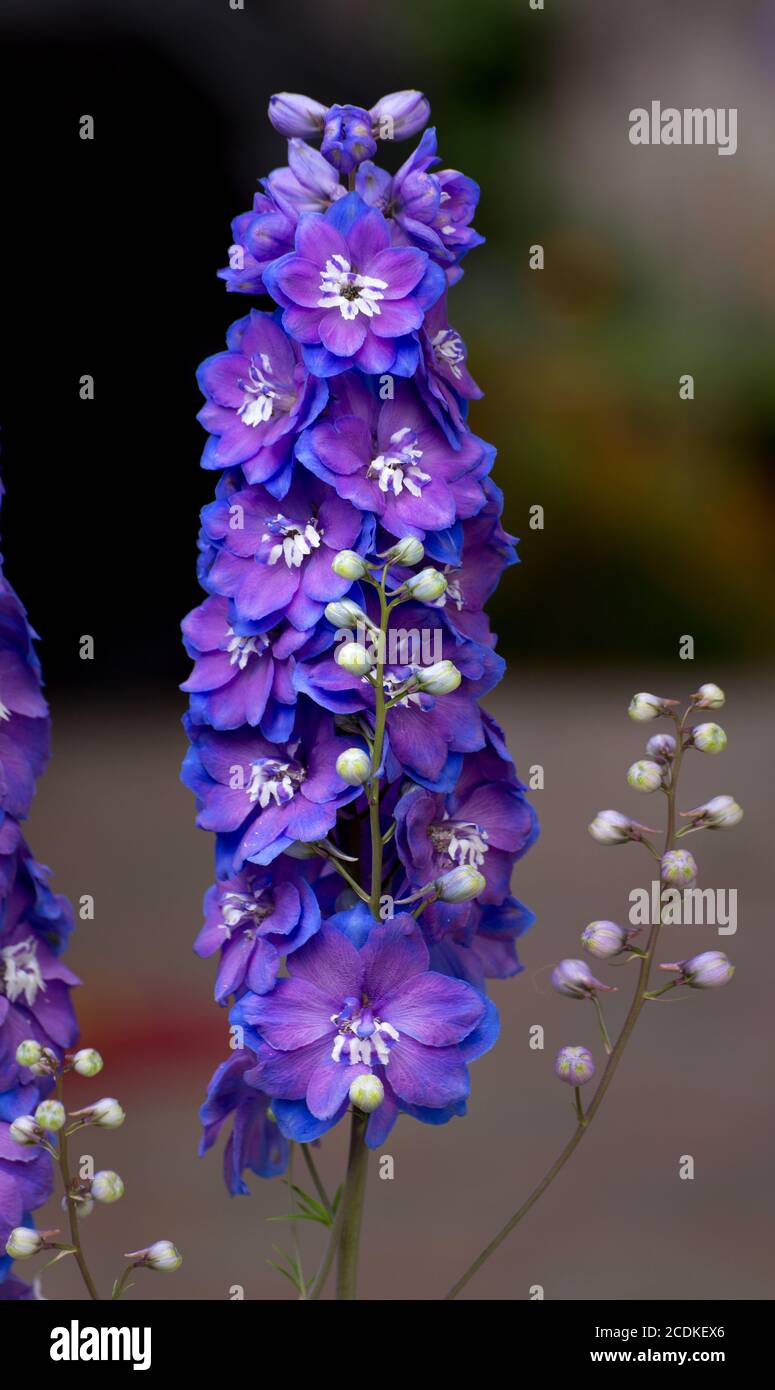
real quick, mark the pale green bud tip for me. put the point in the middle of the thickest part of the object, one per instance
(709, 738)
(348, 565)
(367, 1093)
(678, 868)
(23, 1242)
(460, 884)
(50, 1115)
(708, 696)
(644, 706)
(344, 613)
(353, 657)
(87, 1062)
(574, 1065)
(107, 1186)
(28, 1052)
(720, 813)
(439, 679)
(161, 1255)
(645, 776)
(354, 767)
(25, 1130)
(427, 586)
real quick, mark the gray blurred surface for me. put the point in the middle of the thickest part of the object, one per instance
(619, 1223)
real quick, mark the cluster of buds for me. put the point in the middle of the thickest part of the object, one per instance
(605, 940)
(49, 1120)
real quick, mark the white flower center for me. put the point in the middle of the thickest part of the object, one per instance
(5, 713)
(241, 649)
(361, 1034)
(272, 780)
(464, 841)
(259, 394)
(449, 350)
(237, 908)
(21, 972)
(293, 542)
(401, 468)
(344, 289)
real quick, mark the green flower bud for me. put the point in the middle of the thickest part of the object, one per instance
(354, 767)
(349, 565)
(367, 1093)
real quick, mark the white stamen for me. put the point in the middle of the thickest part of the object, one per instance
(344, 289)
(21, 972)
(296, 544)
(272, 780)
(260, 394)
(401, 468)
(449, 349)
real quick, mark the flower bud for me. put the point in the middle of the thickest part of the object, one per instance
(105, 1113)
(85, 1205)
(25, 1130)
(427, 586)
(678, 868)
(161, 1255)
(661, 747)
(50, 1115)
(574, 1065)
(408, 551)
(292, 114)
(354, 767)
(354, 657)
(709, 738)
(28, 1052)
(439, 679)
(403, 113)
(708, 970)
(708, 696)
(605, 939)
(23, 1242)
(720, 813)
(460, 885)
(644, 706)
(613, 828)
(645, 776)
(87, 1061)
(107, 1186)
(344, 613)
(349, 565)
(347, 137)
(367, 1093)
(575, 980)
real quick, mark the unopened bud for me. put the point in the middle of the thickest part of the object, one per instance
(709, 738)
(645, 776)
(23, 1242)
(708, 970)
(644, 706)
(354, 657)
(439, 679)
(708, 696)
(107, 1186)
(720, 813)
(404, 113)
(575, 980)
(295, 115)
(460, 885)
(574, 1065)
(354, 767)
(427, 586)
(613, 828)
(105, 1113)
(84, 1203)
(28, 1052)
(661, 747)
(408, 551)
(161, 1255)
(87, 1062)
(342, 612)
(349, 565)
(50, 1115)
(367, 1093)
(605, 939)
(25, 1130)
(678, 868)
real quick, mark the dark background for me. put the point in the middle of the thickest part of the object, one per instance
(659, 520)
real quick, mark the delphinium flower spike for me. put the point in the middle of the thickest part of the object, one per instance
(605, 940)
(367, 815)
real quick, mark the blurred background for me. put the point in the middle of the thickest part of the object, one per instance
(658, 523)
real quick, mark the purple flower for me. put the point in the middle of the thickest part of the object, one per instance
(261, 797)
(389, 458)
(25, 1182)
(444, 380)
(259, 394)
(347, 137)
(24, 732)
(478, 945)
(34, 997)
(343, 1013)
(259, 237)
(254, 919)
(292, 114)
(400, 115)
(307, 183)
(350, 297)
(274, 558)
(255, 1142)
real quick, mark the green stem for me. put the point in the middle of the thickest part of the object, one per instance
(316, 1179)
(601, 1021)
(612, 1064)
(579, 1107)
(72, 1206)
(352, 1209)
